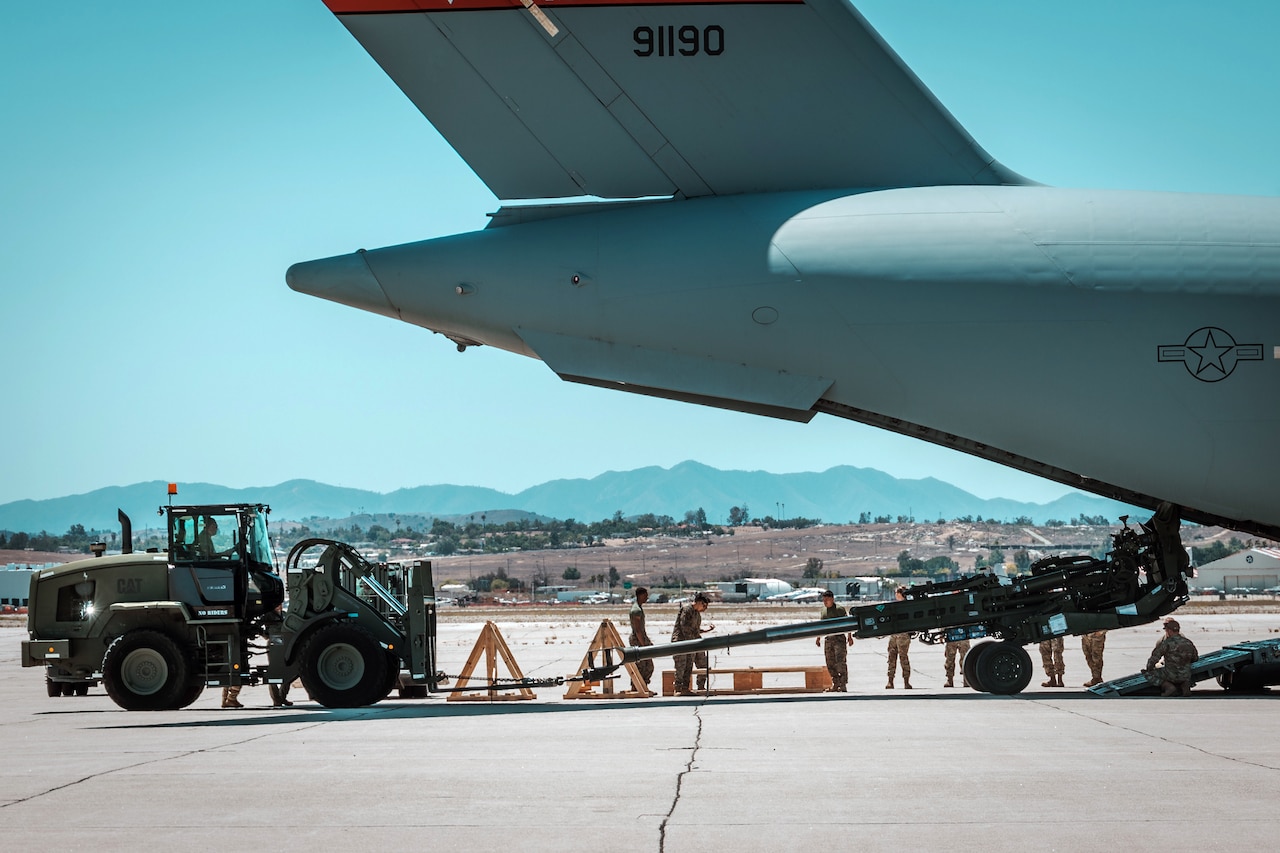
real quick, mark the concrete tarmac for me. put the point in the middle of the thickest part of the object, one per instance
(930, 768)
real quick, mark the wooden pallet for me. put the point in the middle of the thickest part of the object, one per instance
(607, 637)
(750, 680)
(492, 646)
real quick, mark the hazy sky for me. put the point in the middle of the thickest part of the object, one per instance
(165, 162)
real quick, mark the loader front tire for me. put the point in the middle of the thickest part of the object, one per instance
(343, 666)
(146, 671)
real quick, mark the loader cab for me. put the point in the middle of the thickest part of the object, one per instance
(220, 561)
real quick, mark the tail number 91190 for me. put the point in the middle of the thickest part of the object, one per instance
(685, 41)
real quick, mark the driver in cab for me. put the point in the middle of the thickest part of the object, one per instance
(205, 547)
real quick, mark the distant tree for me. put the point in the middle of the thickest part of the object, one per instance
(812, 568)
(935, 566)
(996, 558)
(908, 565)
(864, 518)
(540, 578)
(614, 577)
(1022, 559)
(1215, 551)
(571, 574)
(951, 542)
(18, 541)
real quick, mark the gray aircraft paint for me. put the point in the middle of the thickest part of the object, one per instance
(1122, 342)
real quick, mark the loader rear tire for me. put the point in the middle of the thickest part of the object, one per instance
(146, 671)
(343, 666)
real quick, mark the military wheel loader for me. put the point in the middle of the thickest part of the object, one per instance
(156, 628)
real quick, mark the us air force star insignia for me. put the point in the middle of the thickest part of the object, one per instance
(1210, 354)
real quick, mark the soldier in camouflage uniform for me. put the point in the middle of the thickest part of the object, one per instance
(689, 627)
(640, 636)
(835, 646)
(958, 648)
(900, 648)
(1092, 646)
(1178, 653)
(1051, 657)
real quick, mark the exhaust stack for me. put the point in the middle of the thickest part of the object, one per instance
(126, 532)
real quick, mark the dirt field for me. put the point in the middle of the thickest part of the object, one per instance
(845, 551)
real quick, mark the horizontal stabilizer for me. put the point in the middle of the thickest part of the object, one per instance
(619, 99)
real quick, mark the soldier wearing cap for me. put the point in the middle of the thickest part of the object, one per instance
(640, 636)
(689, 627)
(900, 649)
(835, 646)
(1178, 653)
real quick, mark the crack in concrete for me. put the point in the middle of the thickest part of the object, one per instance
(688, 768)
(1171, 741)
(159, 760)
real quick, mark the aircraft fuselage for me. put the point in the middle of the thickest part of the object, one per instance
(972, 316)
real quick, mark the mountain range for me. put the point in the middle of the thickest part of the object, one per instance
(837, 495)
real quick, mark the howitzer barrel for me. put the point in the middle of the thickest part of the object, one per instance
(798, 631)
(611, 659)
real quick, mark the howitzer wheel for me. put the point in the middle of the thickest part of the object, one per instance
(147, 671)
(1004, 668)
(343, 666)
(970, 668)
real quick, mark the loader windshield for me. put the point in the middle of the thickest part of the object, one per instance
(221, 534)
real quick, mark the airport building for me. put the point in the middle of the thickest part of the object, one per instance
(15, 584)
(1253, 571)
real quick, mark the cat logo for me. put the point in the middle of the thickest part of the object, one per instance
(128, 585)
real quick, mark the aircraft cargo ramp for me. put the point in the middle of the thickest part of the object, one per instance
(1241, 667)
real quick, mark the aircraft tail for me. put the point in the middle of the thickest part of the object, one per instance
(635, 98)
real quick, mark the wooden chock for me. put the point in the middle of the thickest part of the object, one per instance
(607, 637)
(492, 646)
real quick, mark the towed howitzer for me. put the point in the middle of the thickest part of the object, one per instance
(1142, 578)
